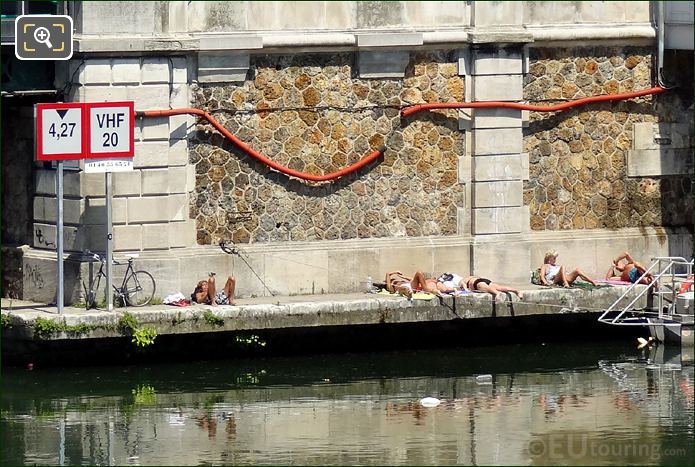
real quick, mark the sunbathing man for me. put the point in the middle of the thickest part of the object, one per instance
(481, 284)
(396, 282)
(631, 271)
(205, 292)
(552, 273)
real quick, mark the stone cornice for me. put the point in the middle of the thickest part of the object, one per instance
(306, 40)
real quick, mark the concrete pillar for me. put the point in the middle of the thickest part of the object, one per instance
(494, 68)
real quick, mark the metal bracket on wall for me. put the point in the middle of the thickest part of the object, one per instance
(234, 217)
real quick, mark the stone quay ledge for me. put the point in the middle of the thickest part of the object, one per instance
(25, 323)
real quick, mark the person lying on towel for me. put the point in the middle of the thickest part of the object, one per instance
(397, 282)
(629, 271)
(476, 284)
(481, 284)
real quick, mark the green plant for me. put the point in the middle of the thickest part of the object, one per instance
(45, 328)
(127, 324)
(212, 319)
(144, 394)
(156, 301)
(5, 320)
(144, 336)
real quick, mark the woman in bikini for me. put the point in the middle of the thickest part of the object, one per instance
(396, 282)
(552, 273)
(631, 271)
(481, 284)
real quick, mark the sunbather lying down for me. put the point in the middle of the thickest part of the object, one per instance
(396, 282)
(481, 284)
(630, 271)
(452, 282)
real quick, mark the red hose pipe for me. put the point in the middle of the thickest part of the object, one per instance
(535, 108)
(255, 154)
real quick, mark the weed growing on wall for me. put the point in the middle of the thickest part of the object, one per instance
(45, 328)
(127, 324)
(212, 319)
(141, 336)
(5, 320)
(144, 336)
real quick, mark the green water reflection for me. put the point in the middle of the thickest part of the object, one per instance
(574, 404)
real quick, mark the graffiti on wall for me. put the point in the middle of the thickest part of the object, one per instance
(41, 240)
(32, 273)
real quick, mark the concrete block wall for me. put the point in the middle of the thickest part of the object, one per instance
(343, 266)
(150, 205)
(593, 12)
(205, 17)
(497, 218)
(161, 19)
(497, 166)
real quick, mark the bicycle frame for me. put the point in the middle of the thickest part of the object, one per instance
(118, 290)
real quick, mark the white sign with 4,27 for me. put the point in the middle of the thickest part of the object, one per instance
(61, 131)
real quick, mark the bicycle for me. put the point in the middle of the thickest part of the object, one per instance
(137, 288)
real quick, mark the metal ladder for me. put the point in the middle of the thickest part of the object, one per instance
(667, 267)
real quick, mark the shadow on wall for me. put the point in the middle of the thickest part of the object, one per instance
(677, 192)
(16, 162)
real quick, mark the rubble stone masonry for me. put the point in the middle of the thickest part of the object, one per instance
(578, 158)
(312, 113)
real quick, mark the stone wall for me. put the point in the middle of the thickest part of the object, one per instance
(578, 158)
(311, 113)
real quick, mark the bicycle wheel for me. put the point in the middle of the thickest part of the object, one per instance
(139, 288)
(99, 296)
(88, 297)
(91, 295)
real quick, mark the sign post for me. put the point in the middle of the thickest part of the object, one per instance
(59, 137)
(103, 134)
(111, 128)
(109, 242)
(60, 295)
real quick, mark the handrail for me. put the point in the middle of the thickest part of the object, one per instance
(628, 290)
(656, 262)
(676, 260)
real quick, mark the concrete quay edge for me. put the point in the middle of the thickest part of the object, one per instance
(307, 311)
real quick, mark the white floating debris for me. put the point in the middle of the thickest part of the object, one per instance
(430, 402)
(483, 379)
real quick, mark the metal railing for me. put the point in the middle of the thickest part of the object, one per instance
(667, 270)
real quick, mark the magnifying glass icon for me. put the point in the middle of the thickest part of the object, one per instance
(43, 36)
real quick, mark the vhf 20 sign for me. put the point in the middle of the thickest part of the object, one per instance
(85, 131)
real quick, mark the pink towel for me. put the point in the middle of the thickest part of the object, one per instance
(615, 282)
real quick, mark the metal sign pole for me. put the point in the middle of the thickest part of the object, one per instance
(109, 243)
(60, 295)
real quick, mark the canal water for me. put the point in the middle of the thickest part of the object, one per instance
(532, 404)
